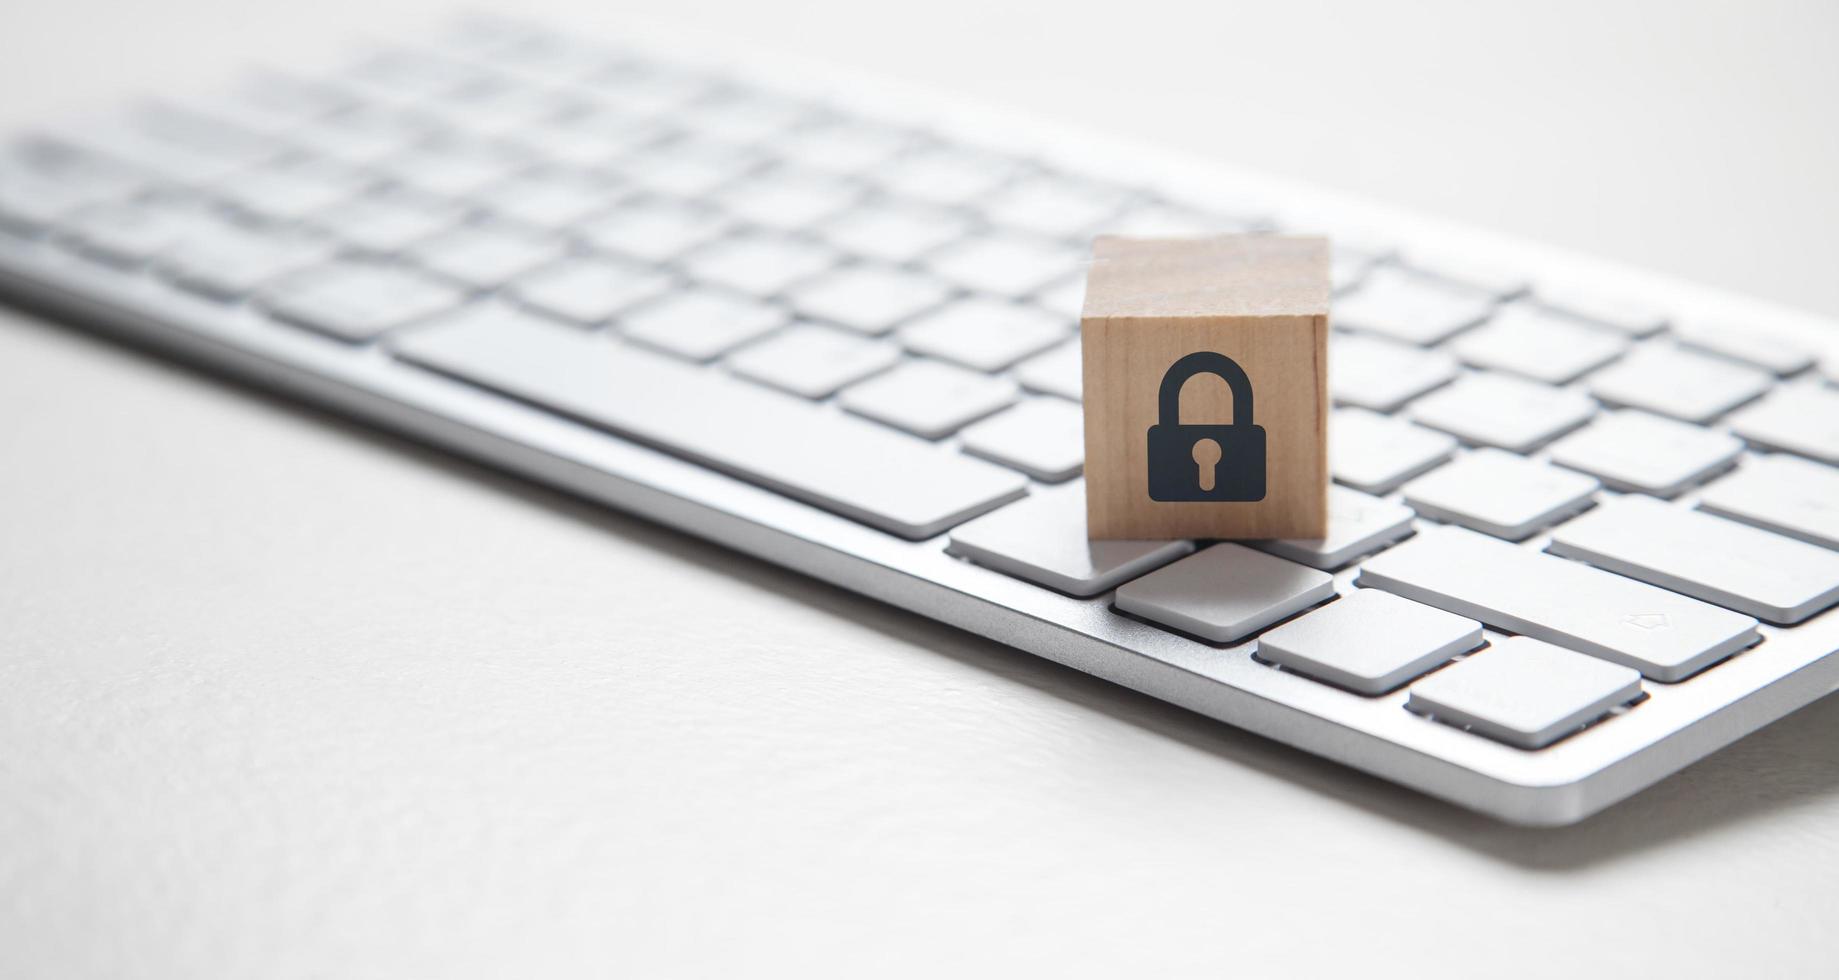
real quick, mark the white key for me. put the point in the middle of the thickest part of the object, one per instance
(760, 265)
(945, 176)
(1770, 352)
(356, 301)
(1348, 268)
(1382, 375)
(291, 193)
(1369, 642)
(895, 233)
(654, 231)
(929, 398)
(598, 138)
(1666, 636)
(136, 232)
(1043, 539)
(813, 361)
(1525, 693)
(914, 489)
(1357, 525)
(1225, 593)
(1042, 437)
(1054, 207)
(1005, 265)
(589, 289)
(1498, 410)
(1782, 494)
(42, 180)
(870, 299)
(1637, 452)
(1056, 372)
(653, 92)
(365, 135)
(1684, 384)
(843, 147)
(1377, 454)
(1466, 272)
(1410, 307)
(231, 261)
(1525, 340)
(984, 334)
(387, 223)
(552, 198)
(1068, 299)
(452, 167)
(689, 169)
(1755, 572)
(486, 255)
(1620, 315)
(699, 324)
(1504, 495)
(745, 118)
(786, 203)
(1801, 419)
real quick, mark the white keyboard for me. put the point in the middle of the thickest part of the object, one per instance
(1585, 528)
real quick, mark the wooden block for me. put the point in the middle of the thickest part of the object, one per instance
(1207, 309)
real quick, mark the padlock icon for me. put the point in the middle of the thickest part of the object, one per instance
(1205, 462)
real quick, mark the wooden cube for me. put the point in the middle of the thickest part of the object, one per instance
(1206, 387)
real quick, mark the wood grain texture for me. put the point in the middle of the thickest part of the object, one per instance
(1260, 300)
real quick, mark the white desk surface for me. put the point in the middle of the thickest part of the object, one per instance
(281, 697)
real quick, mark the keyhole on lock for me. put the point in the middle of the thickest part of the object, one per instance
(1206, 457)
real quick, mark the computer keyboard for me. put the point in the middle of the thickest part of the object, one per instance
(1585, 527)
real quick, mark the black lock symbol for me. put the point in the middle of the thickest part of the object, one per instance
(1205, 462)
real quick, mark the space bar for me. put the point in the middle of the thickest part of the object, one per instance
(855, 468)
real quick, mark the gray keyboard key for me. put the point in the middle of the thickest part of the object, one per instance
(929, 398)
(1736, 566)
(1357, 525)
(43, 180)
(1528, 341)
(1068, 299)
(759, 265)
(813, 361)
(945, 176)
(1525, 693)
(1413, 308)
(553, 197)
(293, 192)
(744, 117)
(1621, 315)
(1782, 494)
(1770, 352)
(1680, 383)
(590, 289)
(868, 298)
(364, 135)
(654, 231)
(454, 167)
(1666, 636)
(1056, 372)
(1637, 452)
(233, 261)
(1053, 206)
(1376, 454)
(1042, 437)
(985, 334)
(895, 232)
(485, 256)
(1800, 419)
(785, 202)
(1465, 272)
(1043, 539)
(1005, 265)
(136, 232)
(1369, 642)
(914, 489)
(1225, 593)
(388, 223)
(1382, 375)
(688, 169)
(1497, 410)
(699, 324)
(843, 147)
(596, 138)
(356, 301)
(1501, 494)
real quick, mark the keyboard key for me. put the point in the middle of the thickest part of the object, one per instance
(1466, 273)
(232, 261)
(1800, 419)
(136, 232)
(868, 299)
(486, 255)
(1500, 494)
(1382, 375)
(1781, 494)
(1056, 372)
(1498, 410)
(1225, 593)
(1376, 454)
(813, 361)
(590, 289)
(294, 192)
(1770, 352)
(1042, 437)
(843, 147)
(452, 166)
(913, 489)
(1369, 642)
(759, 265)
(1357, 525)
(1636, 452)
(1733, 565)
(1068, 299)
(744, 118)
(357, 301)
(1525, 693)
(1620, 315)
(699, 324)
(1527, 341)
(1043, 539)
(387, 223)
(654, 231)
(186, 147)
(1005, 265)
(553, 197)
(594, 139)
(42, 180)
(1348, 268)
(365, 135)
(929, 398)
(1409, 307)
(1054, 207)
(786, 203)
(945, 176)
(984, 334)
(688, 169)
(1683, 384)
(895, 233)
(1666, 636)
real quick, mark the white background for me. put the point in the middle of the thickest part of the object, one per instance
(280, 697)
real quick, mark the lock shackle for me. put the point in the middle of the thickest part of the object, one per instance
(1168, 398)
